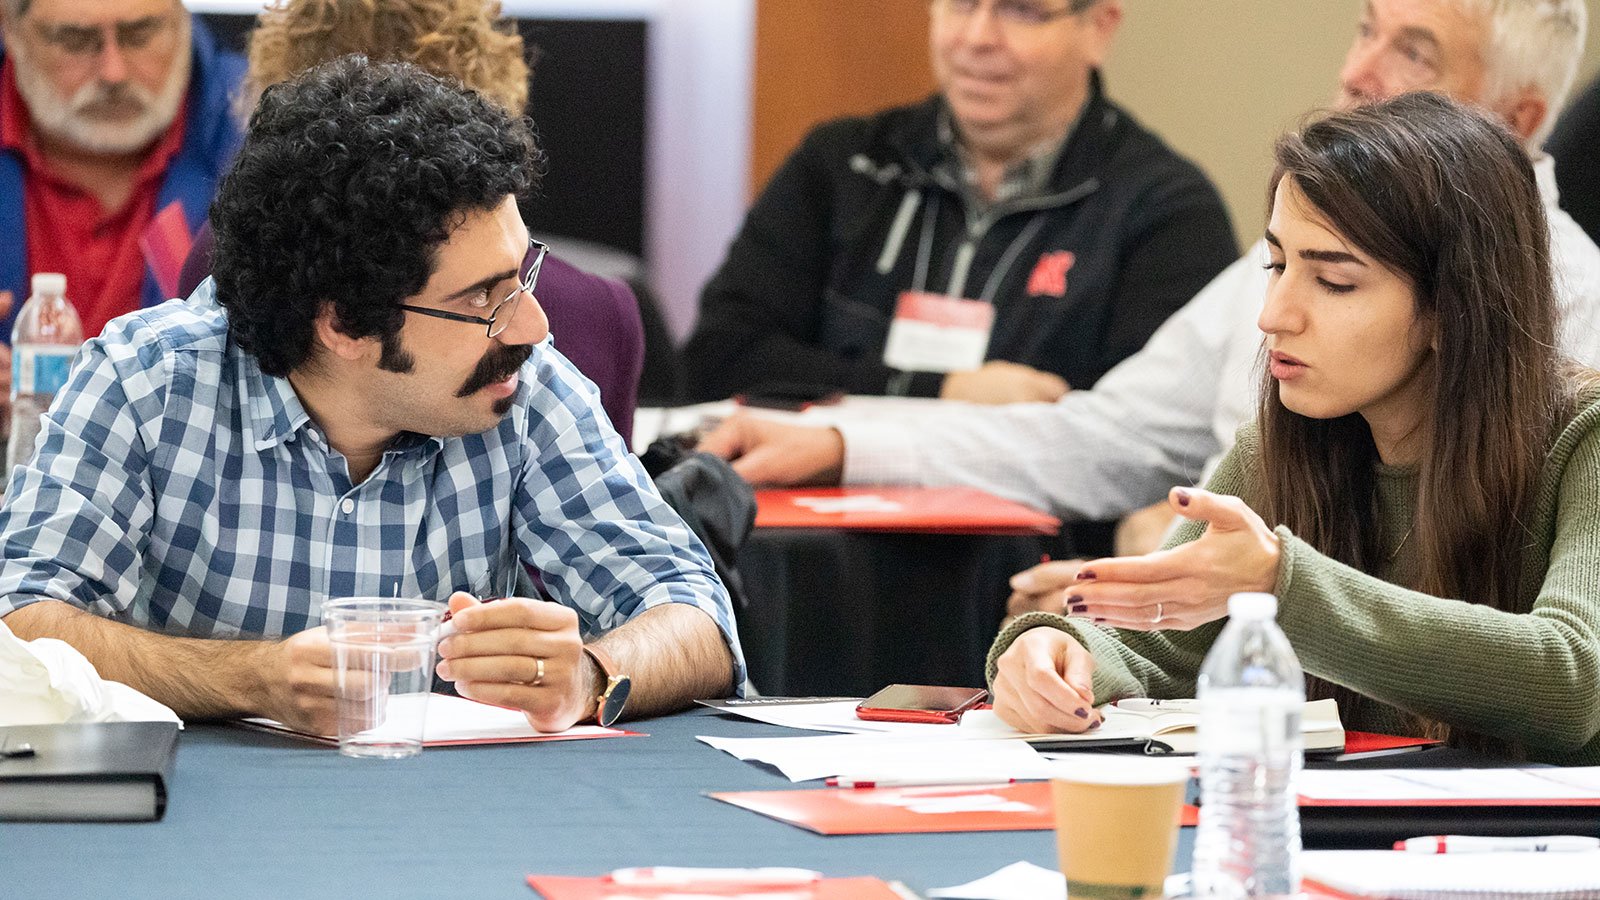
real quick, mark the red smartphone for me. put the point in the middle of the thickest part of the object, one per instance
(924, 703)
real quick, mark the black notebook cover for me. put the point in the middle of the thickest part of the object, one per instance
(108, 771)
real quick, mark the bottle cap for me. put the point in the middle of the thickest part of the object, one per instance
(50, 283)
(1252, 606)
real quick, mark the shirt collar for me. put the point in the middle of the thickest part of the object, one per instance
(276, 413)
(1544, 174)
(1027, 177)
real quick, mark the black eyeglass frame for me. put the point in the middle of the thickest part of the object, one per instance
(526, 287)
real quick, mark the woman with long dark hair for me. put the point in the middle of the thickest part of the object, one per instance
(1422, 487)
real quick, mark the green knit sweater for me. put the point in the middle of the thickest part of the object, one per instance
(1532, 678)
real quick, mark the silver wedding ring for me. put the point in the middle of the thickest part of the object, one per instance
(1157, 620)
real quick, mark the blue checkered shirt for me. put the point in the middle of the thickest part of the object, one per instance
(177, 487)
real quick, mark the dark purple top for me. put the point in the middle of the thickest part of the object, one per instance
(595, 321)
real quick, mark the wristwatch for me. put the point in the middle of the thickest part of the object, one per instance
(614, 695)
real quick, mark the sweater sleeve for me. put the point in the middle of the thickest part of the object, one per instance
(1161, 664)
(1533, 677)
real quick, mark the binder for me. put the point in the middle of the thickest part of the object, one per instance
(89, 772)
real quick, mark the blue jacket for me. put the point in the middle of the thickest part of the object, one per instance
(212, 137)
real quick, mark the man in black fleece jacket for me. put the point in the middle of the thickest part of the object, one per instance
(1018, 185)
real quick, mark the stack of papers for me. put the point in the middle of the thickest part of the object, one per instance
(868, 757)
(1174, 723)
(1547, 786)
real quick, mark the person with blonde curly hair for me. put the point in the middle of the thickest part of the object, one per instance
(596, 320)
(462, 39)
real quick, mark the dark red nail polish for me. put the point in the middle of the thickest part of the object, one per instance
(1081, 713)
(1080, 608)
(1096, 723)
(1086, 575)
(1099, 621)
(1183, 497)
(1074, 600)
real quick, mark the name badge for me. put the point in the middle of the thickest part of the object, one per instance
(937, 333)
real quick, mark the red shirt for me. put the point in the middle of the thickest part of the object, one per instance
(68, 231)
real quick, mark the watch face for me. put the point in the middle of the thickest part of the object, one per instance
(615, 700)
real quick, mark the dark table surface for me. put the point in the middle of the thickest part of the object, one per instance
(258, 815)
(255, 815)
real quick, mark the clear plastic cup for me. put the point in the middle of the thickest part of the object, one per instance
(383, 656)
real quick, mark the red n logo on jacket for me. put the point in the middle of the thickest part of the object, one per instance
(1050, 274)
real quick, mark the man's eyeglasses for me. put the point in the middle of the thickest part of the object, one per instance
(500, 314)
(87, 41)
(1024, 13)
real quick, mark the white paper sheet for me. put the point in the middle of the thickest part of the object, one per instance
(1416, 876)
(1451, 784)
(869, 757)
(1018, 881)
(447, 719)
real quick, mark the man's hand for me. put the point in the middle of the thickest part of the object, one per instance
(1188, 585)
(1043, 587)
(300, 683)
(998, 381)
(1143, 530)
(521, 653)
(767, 452)
(1044, 683)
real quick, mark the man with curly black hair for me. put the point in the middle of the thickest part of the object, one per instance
(363, 401)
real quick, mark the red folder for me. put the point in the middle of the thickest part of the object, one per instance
(555, 887)
(917, 510)
(1371, 742)
(911, 810)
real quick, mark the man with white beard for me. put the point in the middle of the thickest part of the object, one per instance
(115, 118)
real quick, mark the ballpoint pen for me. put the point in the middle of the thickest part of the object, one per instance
(1148, 704)
(1456, 843)
(447, 627)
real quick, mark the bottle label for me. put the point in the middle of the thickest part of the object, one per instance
(40, 368)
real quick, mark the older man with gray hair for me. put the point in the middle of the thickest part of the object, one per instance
(114, 119)
(1165, 414)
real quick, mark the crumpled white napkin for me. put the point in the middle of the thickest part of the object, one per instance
(48, 682)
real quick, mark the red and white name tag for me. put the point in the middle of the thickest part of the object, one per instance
(937, 333)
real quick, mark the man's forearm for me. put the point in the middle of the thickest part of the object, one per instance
(198, 678)
(674, 654)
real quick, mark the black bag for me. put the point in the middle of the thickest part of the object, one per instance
(718, 505)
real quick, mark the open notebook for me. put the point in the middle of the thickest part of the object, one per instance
(1172, 726)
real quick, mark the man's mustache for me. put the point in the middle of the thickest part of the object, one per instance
(497, 365)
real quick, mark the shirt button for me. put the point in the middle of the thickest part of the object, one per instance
(348, 506)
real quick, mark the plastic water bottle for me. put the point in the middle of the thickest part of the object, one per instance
(43, 342)
(1251, 694)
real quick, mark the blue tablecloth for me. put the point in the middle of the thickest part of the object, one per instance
(254, 815)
